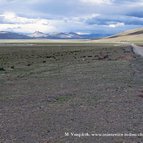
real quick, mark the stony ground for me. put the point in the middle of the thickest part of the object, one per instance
(47, 90)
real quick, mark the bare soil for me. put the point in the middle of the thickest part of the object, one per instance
(47, 90)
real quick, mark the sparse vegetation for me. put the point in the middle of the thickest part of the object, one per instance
(2, 69)
(77, 87)
(44, 61)
(12, 67)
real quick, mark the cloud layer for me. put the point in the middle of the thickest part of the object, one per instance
(87, 16)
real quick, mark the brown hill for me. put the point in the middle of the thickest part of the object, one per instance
(134, 35)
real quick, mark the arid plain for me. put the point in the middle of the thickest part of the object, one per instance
(52, 88)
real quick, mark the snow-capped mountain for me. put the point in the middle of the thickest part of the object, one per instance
(41, 35)
(75, 35)
(38, 34)
(64, 35)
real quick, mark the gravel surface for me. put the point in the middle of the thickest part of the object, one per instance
(94, 90)
(138, 49)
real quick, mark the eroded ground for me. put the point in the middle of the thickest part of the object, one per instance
(47, 90)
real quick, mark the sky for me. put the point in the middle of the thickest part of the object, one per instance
(81, 16)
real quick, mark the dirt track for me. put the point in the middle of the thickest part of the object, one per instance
(137, 49)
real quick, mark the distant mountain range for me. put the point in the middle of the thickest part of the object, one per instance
(40, 35)
(129, 35)
(12, 35)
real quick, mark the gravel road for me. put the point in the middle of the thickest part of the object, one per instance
(137, 49)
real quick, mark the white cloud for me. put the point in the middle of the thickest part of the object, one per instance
(22, 24)
(11, 17)
(119, 24)
(27, 28)
(13, 22)
(97, 1)
(9, 21)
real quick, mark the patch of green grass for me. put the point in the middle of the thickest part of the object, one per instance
(63, 98)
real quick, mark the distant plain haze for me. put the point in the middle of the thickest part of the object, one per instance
(81, 16)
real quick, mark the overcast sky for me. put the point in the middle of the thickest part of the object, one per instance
(83, 16)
